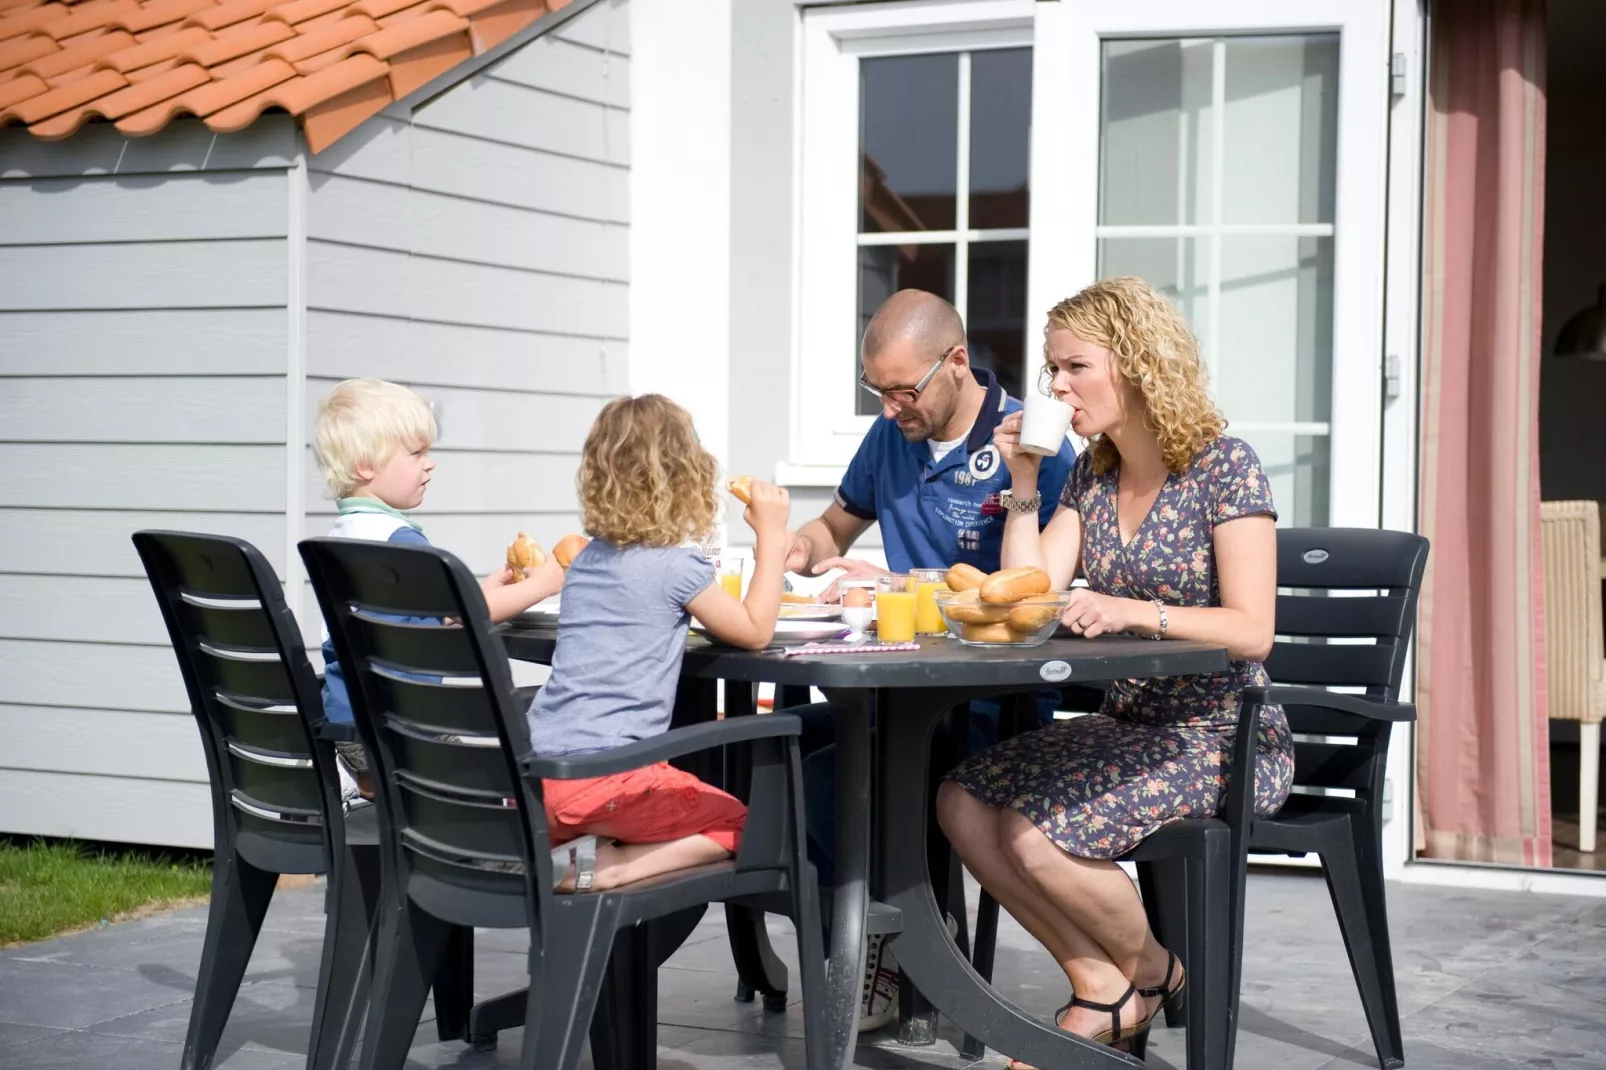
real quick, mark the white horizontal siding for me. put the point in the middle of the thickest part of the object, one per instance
(344, 278)
(238, 479)
(119, 809)
(605, 27)
(143, 343)
(559, 66)
(93, 676)
(382, 215)
(345, 345)
(87, 609)
(448, 162)
(159, 342)
(120, 743)
(96, 542)
(186, 274)
(195, 409)
(123, 208)
(488, 108)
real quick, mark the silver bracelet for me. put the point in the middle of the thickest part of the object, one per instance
(1163, 622)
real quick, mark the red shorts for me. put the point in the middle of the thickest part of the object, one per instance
(653, 804)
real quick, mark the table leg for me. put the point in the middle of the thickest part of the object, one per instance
(903, 727)
(758, 968)
(851, 902)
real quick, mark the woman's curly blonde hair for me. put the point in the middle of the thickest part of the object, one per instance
(1157, 353)
(644, 478)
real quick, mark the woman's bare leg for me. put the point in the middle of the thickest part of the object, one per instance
(626, 863)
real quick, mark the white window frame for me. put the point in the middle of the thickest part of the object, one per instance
(826, 429)
(1067, 76)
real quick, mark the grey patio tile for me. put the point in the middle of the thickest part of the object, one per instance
(70, 997)
(12, 1035)
(77, 1050)
(265, 1016)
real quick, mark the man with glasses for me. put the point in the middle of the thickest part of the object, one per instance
(927, 472)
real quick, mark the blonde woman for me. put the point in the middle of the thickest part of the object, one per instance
(1173, 525)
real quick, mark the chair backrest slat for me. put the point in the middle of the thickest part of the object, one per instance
(254, 695)
(1344, 619)
(432, 698)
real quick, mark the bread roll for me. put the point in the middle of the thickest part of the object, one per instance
(964, 577)
(967, 608)
(566, 549)
(524, 553)
(1012, 584)
(1030, 614)
(741, 488)
(989, 633)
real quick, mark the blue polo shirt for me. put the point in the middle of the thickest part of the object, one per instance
(934, 514)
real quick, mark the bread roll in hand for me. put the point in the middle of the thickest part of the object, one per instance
(741, 488)
(566, 549)
(524, 553)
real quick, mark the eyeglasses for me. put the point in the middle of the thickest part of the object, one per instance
(907, 395)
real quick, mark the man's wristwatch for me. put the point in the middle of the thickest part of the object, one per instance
(1020, 505)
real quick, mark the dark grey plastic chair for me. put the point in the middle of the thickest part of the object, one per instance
(275, 793)
(1354, 584)
(463, 828)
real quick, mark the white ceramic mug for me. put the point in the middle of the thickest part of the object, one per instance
(1043, 427)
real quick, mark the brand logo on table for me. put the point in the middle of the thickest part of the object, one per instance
(1055, 671)
(984, 463)
(1315, 557)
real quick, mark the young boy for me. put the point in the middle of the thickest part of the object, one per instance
(372, 445)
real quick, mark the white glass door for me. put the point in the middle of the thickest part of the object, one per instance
(1233, 154)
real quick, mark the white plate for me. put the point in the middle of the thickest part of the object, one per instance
(547, 610)
(791, 631)
(809, 611)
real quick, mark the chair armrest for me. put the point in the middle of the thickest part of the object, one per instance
(1359, 705)
(671, 744)
(338, 732)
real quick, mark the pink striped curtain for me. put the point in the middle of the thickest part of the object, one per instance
(1482, 761)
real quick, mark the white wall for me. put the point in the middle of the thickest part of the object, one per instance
(680, 209)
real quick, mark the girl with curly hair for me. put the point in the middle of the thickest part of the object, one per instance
(1172, 523)
(647, 496)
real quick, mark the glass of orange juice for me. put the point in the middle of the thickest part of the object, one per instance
(731, 580)
(895, 616)
(925, 583)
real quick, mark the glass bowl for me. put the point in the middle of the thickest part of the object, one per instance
(1029, 622)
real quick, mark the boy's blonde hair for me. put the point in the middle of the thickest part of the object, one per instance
(362, 422)
(644, 478)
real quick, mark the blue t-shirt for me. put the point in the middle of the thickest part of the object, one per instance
(379, 524)
(621, 635)
(933, 513)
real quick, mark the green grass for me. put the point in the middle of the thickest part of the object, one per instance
(52, 887)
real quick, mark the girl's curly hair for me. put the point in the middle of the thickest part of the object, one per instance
(1157, 353)
(644, 478)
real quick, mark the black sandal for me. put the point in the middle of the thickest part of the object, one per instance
(1137, 1033)
(1167, 994)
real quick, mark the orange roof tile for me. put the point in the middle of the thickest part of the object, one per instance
(332, 64)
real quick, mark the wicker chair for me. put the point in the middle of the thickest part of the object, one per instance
(1575, 652)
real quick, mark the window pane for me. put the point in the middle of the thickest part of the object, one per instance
(1280, 129)
(1155, 155)
(1297, 467)
(1000, 126)
(885, 269)
(1177, 266)
(1274, 357)
(996, 324)
(909, 140)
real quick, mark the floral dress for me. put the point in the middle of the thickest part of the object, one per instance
(1155, 752)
